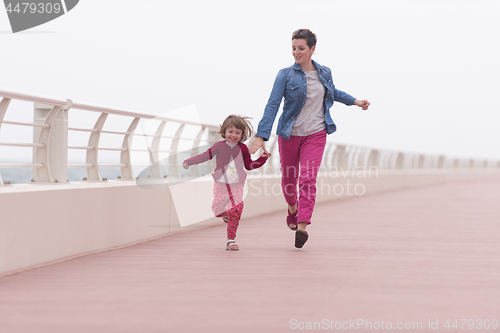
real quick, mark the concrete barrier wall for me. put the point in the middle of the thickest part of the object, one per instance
(46, 223)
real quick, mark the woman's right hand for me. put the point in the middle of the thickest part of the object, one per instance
(257, 143)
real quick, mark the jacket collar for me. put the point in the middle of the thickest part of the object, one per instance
(318, 66)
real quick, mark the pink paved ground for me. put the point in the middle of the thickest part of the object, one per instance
(418, 255)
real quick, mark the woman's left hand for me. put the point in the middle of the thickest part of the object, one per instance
(362, 103)
(256, 144)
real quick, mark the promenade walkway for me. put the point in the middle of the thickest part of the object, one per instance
(407, 259)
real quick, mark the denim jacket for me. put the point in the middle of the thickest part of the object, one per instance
(291, 83)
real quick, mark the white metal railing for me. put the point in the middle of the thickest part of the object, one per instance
(50, 145)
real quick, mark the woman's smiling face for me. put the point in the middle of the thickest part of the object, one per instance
(301, 52)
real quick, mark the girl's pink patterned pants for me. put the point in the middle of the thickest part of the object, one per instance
(228, 201)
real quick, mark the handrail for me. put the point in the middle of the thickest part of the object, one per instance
(30, 97)
(53, 135)
(118, 112)
(20, 144)
(20, 165)
(26, 124)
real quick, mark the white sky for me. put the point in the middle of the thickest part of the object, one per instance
(430, 68)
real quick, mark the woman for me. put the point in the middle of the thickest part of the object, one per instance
(309, 94)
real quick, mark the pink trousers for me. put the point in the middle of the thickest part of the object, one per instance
(300, 158)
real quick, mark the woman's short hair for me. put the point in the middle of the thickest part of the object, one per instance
(306, 34)
(241, 123)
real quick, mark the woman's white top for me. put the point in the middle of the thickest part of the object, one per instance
(311, 118)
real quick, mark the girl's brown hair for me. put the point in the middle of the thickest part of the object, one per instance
(240, 123)
(306, 34)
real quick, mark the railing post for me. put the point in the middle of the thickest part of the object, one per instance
(93, 154)
(400, 160)
(373, 158)
(384, 159)
(421, 164)
(355, 156)
(441, 161)
(325, 161)
(174, 151)
(126, 171)
(154, 153)
(340, 157)
(54, 155)
(195, 170)
(363, 158)
(4, 104)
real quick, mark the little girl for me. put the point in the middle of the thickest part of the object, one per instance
(232, 158)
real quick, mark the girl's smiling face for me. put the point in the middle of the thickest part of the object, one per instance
(233, 134)
(301, 52)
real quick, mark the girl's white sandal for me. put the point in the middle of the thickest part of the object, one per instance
(231, 244)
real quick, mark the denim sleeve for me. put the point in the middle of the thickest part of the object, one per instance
(272, 107)
(339, 95)
(342, 97)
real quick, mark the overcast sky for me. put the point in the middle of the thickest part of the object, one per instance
(430, 68)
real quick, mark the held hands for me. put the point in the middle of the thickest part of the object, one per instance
(362, 103)
(265, 154)
(257, 143)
